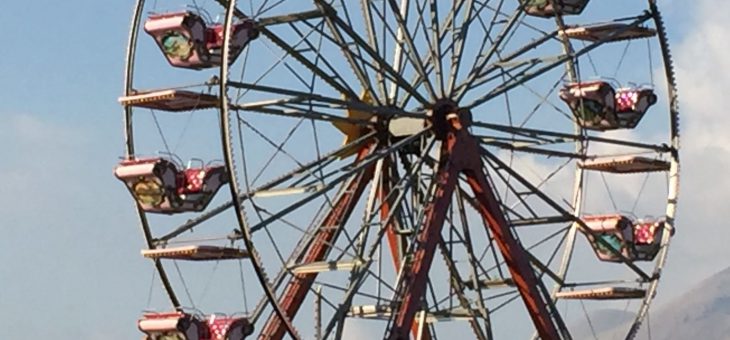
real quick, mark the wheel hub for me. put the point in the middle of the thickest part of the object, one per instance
(445, 115)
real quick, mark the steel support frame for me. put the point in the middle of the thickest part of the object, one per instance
(460, 154)
(396, 242)
(299, 286)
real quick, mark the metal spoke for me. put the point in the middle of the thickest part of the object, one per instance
(411, 52)
(579, 222)
(288, 18)
(551, 64)
(533, 150)
(381, 63)
(302, 98)
(418, 79)
(459, 35)
(373, 43)
(358, 274)
(291, 51)
(306, 169)
(435, 46)
(360, 73)
(478, 66)
(458, 288)
(339, 179)
(541, 136)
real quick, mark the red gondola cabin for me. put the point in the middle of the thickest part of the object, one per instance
(636, 241)
(174, 325)
(188, 42)
(545, 8)
(597, 106)
(159, 187)
(183, 326)
(647, 239)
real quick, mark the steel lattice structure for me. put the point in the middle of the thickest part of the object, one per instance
(504, 162)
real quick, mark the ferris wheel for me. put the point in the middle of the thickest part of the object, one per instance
(398, 169)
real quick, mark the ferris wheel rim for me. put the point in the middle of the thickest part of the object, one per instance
(674, 173)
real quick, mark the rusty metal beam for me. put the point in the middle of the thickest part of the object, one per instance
(414, 275)
(396, 241)
(300, 284)
(514, 254)
(460, 154)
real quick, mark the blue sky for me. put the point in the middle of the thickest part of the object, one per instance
(70, 242)
(69, 264)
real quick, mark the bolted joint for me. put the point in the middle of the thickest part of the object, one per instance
(454, 121)
(445, 116)
(381, 124)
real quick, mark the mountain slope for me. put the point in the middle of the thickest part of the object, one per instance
(702, 313)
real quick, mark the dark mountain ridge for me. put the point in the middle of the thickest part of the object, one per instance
(703, 313)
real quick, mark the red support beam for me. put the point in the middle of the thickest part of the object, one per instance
(414, 277)
(298, 287)
(513, 254)
(460, 152)
(396, 242)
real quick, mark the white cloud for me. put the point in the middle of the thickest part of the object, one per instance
(703, 71)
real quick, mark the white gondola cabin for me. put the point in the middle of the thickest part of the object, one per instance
(636, 241)
(159, 186)
(187, 42)
(596, 105)
(549, 8)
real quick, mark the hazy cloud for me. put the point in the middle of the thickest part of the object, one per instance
(703, 71)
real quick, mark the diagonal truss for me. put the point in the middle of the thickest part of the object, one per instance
(460, 154)
(298, 287)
